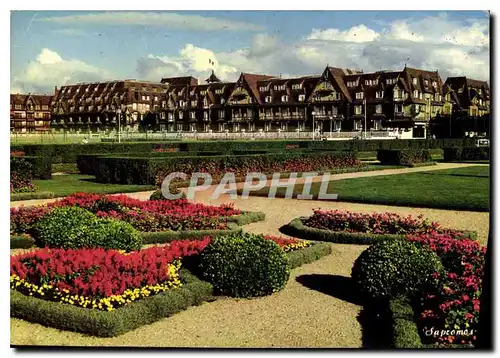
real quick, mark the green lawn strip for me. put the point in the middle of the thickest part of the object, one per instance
(296, 228)
(32, 196)
(68, 168)
(455, 189)
(64, 185)
(135, 314)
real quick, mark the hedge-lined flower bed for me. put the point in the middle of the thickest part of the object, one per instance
(20, 174)
(345, 227)
(98, 278)
(456, 306)
(145, 216)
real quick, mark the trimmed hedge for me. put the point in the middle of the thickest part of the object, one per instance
(296, 228)
(32, 195)
(158, 195)
(247, 217)
(41, 166)
(161, 237)
(67, 153)
(21, 242)
(405, 332)
(128, 170)
(308, 254)
(463, 154)
(403, 156)
(109, 324)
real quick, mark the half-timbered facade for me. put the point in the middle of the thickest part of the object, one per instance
(30, 113)
(337, 100)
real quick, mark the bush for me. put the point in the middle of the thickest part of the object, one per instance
(21, 174)
(403, 156)
(244, 265)
(41, 167)
(460, 154)
(394, 268)
(74, 227)
(157, 195)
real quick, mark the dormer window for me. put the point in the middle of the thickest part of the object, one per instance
(302, 97)
(193, 103)
(460, 90)
(222, 101)
(415, 94)
(351, 83)
(415, 81)
(420, 95)
(379, 94)
(426, 82)
(296, 86)
(359, 95)
(263, 88)
(390, 81)
(434, 84)
(479, 91)
(203, 92)
(268, 99)
(218, 91)
(378, 108)
(284, 98)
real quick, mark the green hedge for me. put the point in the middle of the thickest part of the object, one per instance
(41, 167)
(296, 228)
(309, 254)
(161, 237)
(67, 153)
(21, 242)
(247, 217)
(404, 328)
(128, 170)
(464, 154)
(403, 156)
(32, 196)
(109, 324)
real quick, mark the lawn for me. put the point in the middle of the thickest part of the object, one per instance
(455, 189)
(63, 185)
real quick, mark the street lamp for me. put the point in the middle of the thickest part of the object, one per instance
(119, 112)
(313, 113)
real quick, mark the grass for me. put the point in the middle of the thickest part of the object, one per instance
(63, 185)
(455, 189)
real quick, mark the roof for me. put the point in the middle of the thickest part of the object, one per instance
(252, 82)
(38, 99)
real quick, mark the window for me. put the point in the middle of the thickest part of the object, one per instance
(398, 108)
(263, 88)
(37, 107)
(357, 109)
(479, 91)
(218, 91)
(181, 115)
(297, 86)
(379, 94)
(222, 113)
(170, 116)
(335, 111)
(205, 115)
(203, 92)
(351, 83)
(434, 84)
(181, 103)
(415, 81)
(359, 95)
(143, 98)
(436, 97)
(45, 107)
(368, 82)
(222, 101)
(192, 115)
(426, 82)
(193, 103)
(268, 99)
(390, 81)
(77, 90)
(357, 125)
(17, 106)
(302, 97)
(284, 98)
(460, 90)
(415, 94)
(378, 108)
(421, 95)
(156, 98)
(417, 108)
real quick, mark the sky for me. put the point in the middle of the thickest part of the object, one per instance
(55, 48)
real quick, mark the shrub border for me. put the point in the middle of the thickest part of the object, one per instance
(109, 324)
(297, 228)
(21, 242)
(404, 328)
(161, 237)
(309, 254)
(247, 217)
(32, 195)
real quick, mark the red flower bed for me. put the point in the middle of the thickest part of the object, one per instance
(150, 216)
(98, 278)
(288, 244)
(456, 306)
(375, 223)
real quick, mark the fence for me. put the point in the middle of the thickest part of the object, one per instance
(19, 138)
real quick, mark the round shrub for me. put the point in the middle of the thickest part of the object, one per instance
(65, 227)
(393, 268)
(115, 234)
(157, 195)
(244, 265)
(74, 227)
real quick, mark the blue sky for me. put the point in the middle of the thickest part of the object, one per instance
(58, 47)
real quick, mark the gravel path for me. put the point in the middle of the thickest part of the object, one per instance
(295, 317)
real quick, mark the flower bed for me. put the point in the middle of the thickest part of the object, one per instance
(98, 278)
(145, 216)
(456, 306)
(20, 174)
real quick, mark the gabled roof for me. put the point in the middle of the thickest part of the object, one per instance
(252, 82)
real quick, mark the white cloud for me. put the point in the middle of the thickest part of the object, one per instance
(433, 43)
(50, 69)
(359, 33)
(164, 19)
